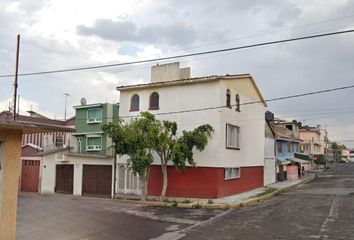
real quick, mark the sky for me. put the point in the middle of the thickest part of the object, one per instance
(60, 34)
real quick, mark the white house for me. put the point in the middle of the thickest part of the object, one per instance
(234, 158)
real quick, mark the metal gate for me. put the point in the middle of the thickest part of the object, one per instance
(128, 183)
(30, 175)
(97, 180)
(64, 179)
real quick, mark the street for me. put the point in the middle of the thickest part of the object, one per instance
(322, 209)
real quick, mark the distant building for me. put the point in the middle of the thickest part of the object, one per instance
(315, 142)
(84, 166)
(233, 160)
(287, 150)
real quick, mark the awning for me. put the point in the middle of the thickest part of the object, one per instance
(283, 162)
(298, 160)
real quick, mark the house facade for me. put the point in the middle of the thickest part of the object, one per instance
(84, 166)
(287, 148)
(315, 142)
(233, 160)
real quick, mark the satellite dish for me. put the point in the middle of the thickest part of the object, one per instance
(83, 101)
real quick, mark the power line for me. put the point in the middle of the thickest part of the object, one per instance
(247, 103)
(183, 55)
(302, 94)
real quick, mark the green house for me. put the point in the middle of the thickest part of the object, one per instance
(90, 118)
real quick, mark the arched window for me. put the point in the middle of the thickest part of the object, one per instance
(228, 98)
(238, 103)
(134, 103)
(154, 101)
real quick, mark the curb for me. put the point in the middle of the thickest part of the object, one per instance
(203, 203)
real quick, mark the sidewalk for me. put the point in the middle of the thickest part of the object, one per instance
(259, 194)
(234, 201)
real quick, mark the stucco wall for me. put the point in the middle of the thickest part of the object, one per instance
(10, 172)
(204, 95)
(269, 161)
(49, 171)
(204, 182)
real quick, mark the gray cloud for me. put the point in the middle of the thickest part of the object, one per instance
(123, 31)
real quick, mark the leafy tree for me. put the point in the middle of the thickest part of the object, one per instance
(337, 153)
(134, 140)
(141, 137)
(177, 149)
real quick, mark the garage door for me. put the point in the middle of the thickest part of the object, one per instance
(30, 175)
(97, 180)
(64, 179)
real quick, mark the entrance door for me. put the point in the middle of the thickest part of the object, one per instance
(64, 179)
(30, 175)
(97, 180)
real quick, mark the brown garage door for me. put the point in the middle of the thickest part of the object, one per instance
(97, 180)
(64, 179)
(30, 175)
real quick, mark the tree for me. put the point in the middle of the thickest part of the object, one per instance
(142, 136)
(134, 139)
(337, 153)
(178, 150)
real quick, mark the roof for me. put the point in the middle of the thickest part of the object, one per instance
(35, 118)
(30, 127)
(194, 81)
(298, 160)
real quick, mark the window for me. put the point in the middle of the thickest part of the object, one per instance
(288, 146)
(232, 173)
(291, 147)
(228, 98)
(94, 115)
(232, 136)
(154, 101)
(59, 141)
(94, 144)
(279, 147)
(134, 103)
(237, 103)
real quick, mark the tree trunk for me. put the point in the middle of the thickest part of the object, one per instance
(164, 182)
(145, 184)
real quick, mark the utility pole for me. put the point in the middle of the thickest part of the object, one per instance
(16, 75)
(66, 101)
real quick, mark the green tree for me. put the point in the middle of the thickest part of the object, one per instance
(135, 140)
(148, 134)
(177, 149)
(337, 153)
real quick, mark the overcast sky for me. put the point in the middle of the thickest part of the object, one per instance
(59, 34)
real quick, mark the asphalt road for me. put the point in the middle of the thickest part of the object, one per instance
(322, 209)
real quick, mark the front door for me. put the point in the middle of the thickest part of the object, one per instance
(64, 182)
(30, 175)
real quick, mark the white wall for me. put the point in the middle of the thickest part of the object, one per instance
(49, 171)
(269, 162)
(204, 95)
